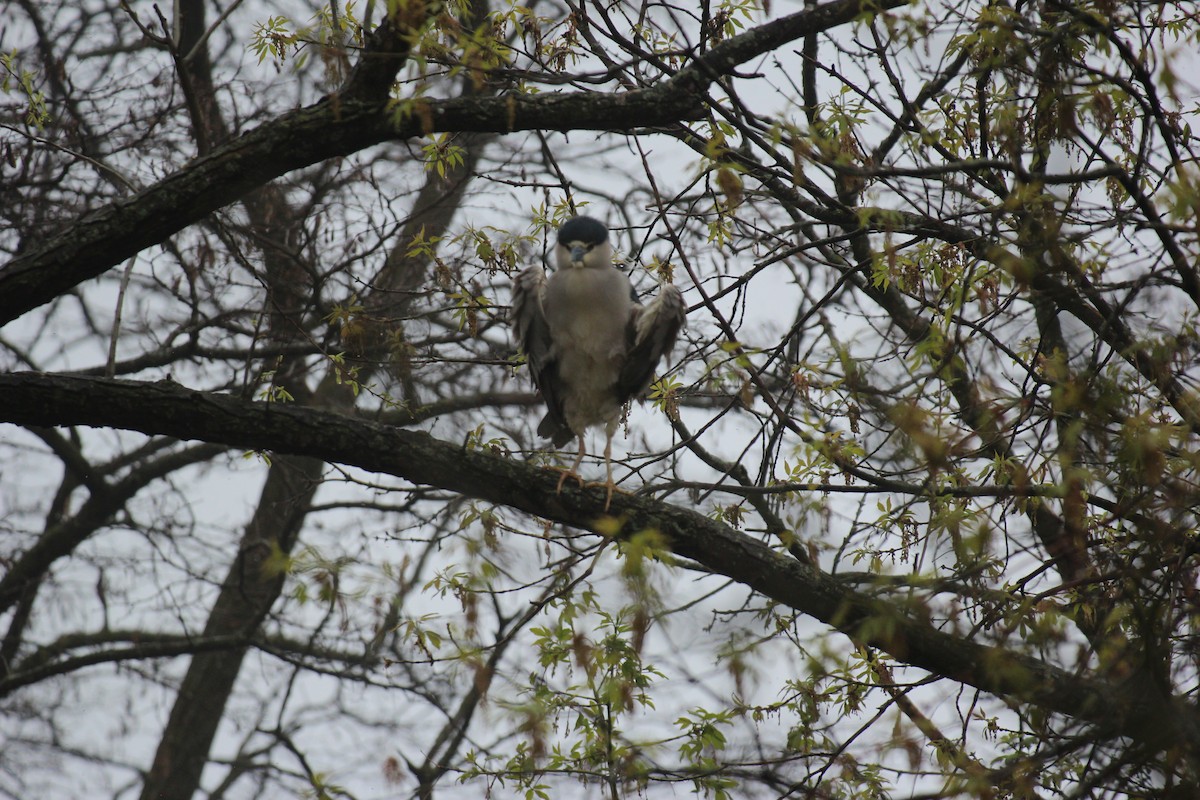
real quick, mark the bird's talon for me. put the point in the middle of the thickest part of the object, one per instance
(609, 489)
(567, 473)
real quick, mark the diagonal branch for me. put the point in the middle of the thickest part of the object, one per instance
(343, 124)
(169, 409)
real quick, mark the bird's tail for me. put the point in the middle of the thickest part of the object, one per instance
(555, 430)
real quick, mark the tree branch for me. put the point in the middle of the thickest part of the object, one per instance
(169, 409)
(341, 124)
(165, 648)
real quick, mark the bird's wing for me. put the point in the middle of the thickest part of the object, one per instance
(533, 336)
(529, 320)
(653, 330)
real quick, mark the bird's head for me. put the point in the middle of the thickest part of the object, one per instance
(583, 242)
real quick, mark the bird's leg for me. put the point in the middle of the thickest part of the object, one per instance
(573, 472)
(608, 482)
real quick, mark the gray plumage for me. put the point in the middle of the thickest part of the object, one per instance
(590, 346)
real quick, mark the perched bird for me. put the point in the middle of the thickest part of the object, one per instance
(590, 345)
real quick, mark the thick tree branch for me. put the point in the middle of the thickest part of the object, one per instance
(343, 124)
(168, 409)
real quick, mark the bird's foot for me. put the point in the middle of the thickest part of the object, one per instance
(567, 473)
(609, 488)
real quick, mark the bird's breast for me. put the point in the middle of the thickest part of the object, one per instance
(588, 310)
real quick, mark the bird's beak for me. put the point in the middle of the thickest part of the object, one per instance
(577, 254)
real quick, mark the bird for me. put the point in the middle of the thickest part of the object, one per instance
(590, 345)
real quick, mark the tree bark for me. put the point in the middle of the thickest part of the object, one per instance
(169, 409)
(250, 588)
